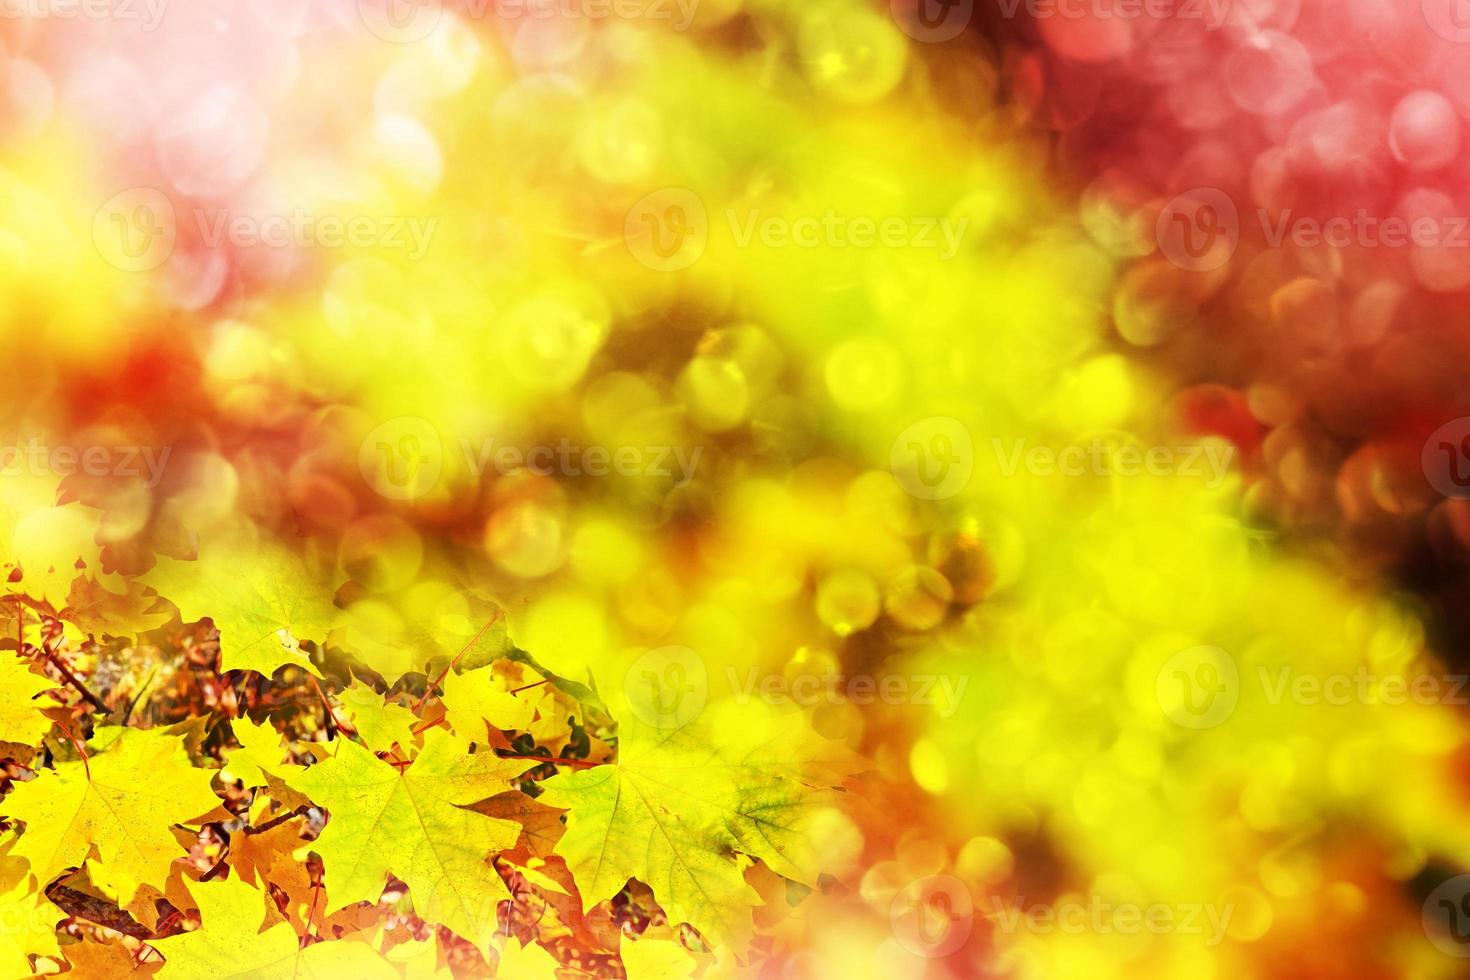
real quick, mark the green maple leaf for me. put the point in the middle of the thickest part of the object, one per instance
(678, 805)
(229, 944)
(414, 824)
(140, 785)
(263, 599)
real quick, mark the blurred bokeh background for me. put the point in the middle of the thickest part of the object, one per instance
(1062, 404)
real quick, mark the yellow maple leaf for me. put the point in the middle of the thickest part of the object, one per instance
(230, 944)
(530, 962)
(678, 802)
(380, 723)
(262, 597)
(20, 718)
(477, 696)
(138, 786)
(29, 920)
(655, 959)
(413, 823)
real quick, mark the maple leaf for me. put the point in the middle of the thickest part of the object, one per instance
(29, 920)
(140, 785)
(380, 723)
(259, 756)
(678, 803)
(262, 598)
(655, 959)
(529, 962)
(414, 824)
(478, 696)
(20, 718)
(229, 944)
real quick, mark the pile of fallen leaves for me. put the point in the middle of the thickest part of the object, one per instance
(166, 814)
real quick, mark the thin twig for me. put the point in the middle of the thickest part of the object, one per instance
(277, 820)
(80, 905)
(134, 702)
